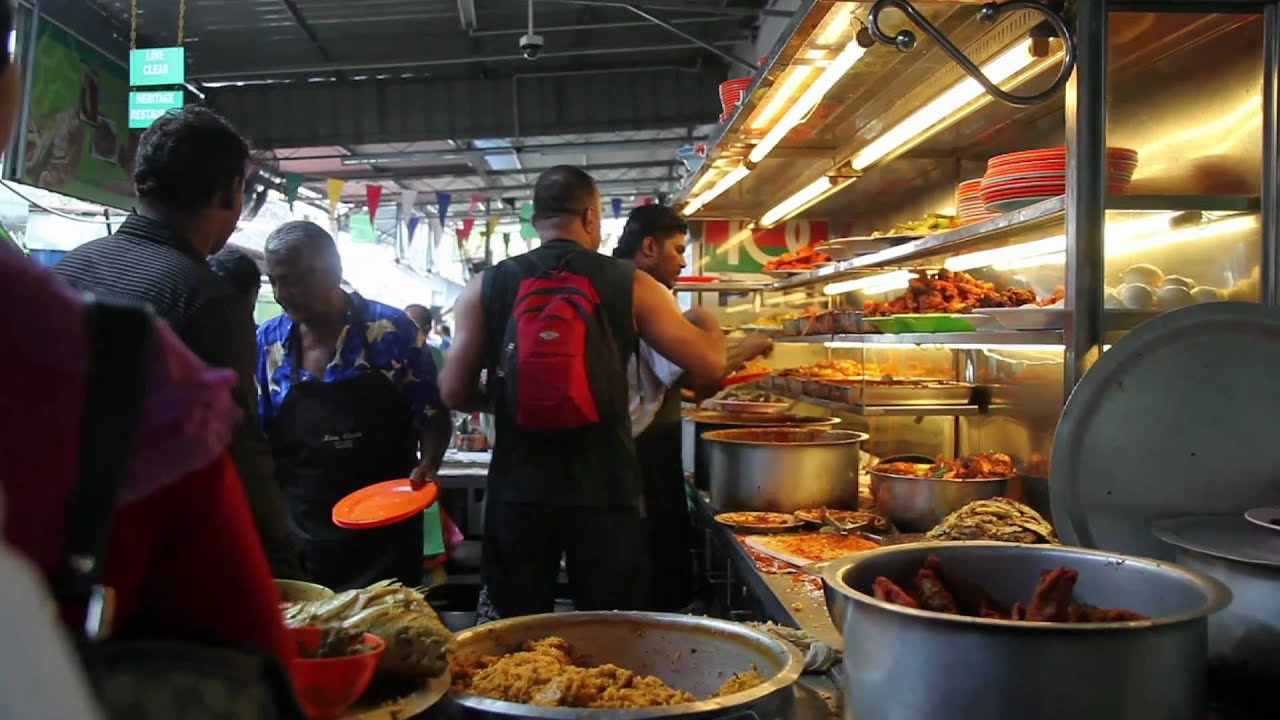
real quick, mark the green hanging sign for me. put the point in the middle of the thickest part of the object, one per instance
(147, 106)
(157, 66)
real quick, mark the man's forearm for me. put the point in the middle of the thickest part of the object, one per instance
(437, 431)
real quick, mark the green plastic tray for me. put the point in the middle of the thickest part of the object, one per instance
(933, 323)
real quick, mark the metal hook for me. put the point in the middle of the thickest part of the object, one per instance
(990, 13)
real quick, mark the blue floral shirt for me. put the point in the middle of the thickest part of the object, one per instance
(395, 348)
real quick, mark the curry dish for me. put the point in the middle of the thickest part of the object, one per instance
(544, 672)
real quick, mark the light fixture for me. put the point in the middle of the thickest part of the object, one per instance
(733, 178)
(803, 198)
(895, 279)
(782, 94)
(854, 345)
(944, 109)
(983, 258)
(808, 100)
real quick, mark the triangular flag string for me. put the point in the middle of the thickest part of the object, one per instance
(334, 188)
(292, 183)
(373, 196)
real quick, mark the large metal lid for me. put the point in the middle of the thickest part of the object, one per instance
(1223, 536)
(1180, 417)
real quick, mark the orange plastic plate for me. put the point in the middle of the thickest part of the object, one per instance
(383, 504)
(741, 378)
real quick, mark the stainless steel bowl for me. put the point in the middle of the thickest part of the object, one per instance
(695, 654)
(784, 469)
(299, 591)
(916, 504)
(903, 663)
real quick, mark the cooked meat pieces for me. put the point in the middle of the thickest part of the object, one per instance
(970, 598)
(933, 593)
(885, 589)
(1052, 601)
(948, 291)
(544, 672)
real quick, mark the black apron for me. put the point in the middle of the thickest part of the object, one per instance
(666, 506)
(331, 439)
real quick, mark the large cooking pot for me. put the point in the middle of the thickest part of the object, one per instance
(784, 469)
(909, 664)
(1244, 639)
(916, 504)
(695, 654)
(698, 423)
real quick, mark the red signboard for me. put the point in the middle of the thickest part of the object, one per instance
(728, 246)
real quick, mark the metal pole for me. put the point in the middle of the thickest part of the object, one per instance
(1270, 148)
(702, 43)
(28, 85)
(1086, 131)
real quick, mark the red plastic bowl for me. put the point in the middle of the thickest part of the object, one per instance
(326, 687)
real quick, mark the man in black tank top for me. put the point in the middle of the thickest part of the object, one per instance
(574, 493)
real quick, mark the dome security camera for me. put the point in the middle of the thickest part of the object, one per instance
(531, 46)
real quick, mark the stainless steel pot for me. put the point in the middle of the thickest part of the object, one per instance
(908, 664)
(784, 469)
(695, 654)
(698, 423)
(916, 504)
(1244, 639)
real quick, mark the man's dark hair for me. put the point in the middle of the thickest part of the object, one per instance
(420, 314)
(298, 235)
(238, 269)
(562, 190)
(444, 331)
(186, 158)
(658, 221)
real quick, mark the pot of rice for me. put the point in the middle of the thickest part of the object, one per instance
(621, 665)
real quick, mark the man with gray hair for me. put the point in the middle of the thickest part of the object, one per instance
(348, 398)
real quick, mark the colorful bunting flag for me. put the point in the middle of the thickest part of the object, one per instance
(442, 201)
(527, 230)
(490, 224)
(334, 188)
(465, 231)
(407, 200)
(292, 183)
(616, 204)
(413, 225)
(373, 196)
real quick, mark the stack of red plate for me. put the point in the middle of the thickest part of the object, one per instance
(969, 207)
(1019, 179)
(731, 92)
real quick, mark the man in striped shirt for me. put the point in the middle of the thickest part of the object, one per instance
(189, 178)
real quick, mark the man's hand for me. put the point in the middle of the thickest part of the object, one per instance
(750, 348)
(421, 476)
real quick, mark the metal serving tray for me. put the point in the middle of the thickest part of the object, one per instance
(874, 393)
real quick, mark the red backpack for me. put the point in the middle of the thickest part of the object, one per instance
(559, 354)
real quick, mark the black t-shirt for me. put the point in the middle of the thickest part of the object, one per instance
(592, 467)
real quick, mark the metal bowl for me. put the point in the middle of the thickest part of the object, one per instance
(695, 654)
(292, 591)
(916, 504)
(902, 662)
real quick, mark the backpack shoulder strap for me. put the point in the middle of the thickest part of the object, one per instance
(120, 338)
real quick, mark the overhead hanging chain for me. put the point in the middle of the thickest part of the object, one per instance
(182, 20)
(133, 24)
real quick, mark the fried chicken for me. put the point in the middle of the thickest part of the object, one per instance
(948, 291)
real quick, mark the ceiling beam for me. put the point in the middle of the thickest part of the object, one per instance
(725, 11)
(427, 174)
(467, 14)
(595, 26)
(644, 186)
(567, 148)
(231, 76)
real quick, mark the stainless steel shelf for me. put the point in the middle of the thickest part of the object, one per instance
(895, 410)
(721, 287)
(992, 337)
(1047, 213)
